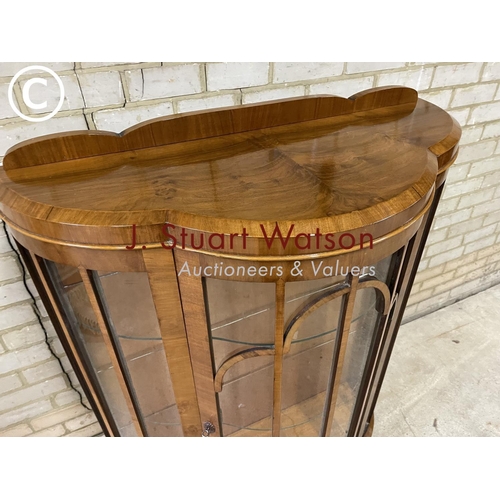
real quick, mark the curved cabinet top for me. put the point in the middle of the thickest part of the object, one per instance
(367, 162)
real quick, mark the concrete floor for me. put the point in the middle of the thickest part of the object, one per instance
(444, 374)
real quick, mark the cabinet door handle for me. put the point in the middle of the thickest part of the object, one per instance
(208, 428)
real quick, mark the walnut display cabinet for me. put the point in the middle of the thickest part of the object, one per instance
(233, 272)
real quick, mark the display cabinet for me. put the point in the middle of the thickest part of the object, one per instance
(233, 272)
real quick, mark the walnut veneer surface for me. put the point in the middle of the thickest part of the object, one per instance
(339, 164)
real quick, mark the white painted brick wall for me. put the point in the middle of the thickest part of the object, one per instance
(117, 120)
(440, 98)
(294, 72)
(208, 102)
(456, 74)
(55, 431)
(79, 422)
(491, 72)
(25, 412)
(458, 173)
(472, 95)
(491, 130)
(167, 81)
(51, 94)
(481, 243)
(26, 336)
(249, 97)
(16, 316)
(343, 88)
(28, 394)
(453, 218)
(102, 88)
(461, 115)
(9, 383)
(14, 292)
(85, 65)
(437, 235)
(485, 208)
(91, 430)
(65, 398)
(462, 256)
(472, 199)
(56, 417)
(466, 186)
(236, 75)
(9, 269)
(482, 149)
(41, 372)
(484, 166)
(444, 246)
(485, 113)
(6, 110)
(364, 67)
(17, 431)
(471, 135)
(464, 227)
(18, 131)
(418, 79)
(10, 69)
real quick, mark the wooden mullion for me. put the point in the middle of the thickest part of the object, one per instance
(160, 267)
(279, 330)
(198, 334)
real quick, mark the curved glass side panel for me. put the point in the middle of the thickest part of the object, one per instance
(82, 324)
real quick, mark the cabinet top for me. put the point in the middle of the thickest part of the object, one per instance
(324, 161)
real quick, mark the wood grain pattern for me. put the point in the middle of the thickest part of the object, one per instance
(257, 251)
(197, 329)
(236, 357)
(279, 332)
(236, 168)
(380, 287)
(308, 308)
(164, 288)
(191, 126)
